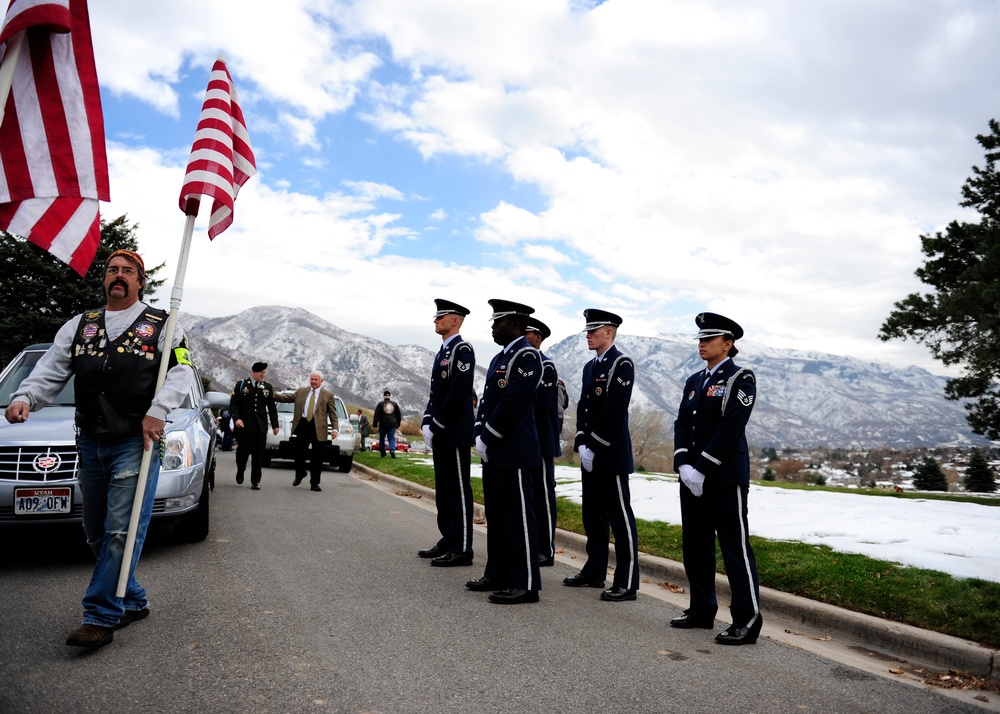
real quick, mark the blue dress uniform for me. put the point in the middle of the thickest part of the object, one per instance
(449, 416)
(709, 434)
(506, 424)
(602, 427)
(549, 433)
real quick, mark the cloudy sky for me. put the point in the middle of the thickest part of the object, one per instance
(774, 160)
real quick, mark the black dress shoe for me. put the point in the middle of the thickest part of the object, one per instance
(514, 596)
(690, 620)
(544, 562)
(483, 584)
(451, 560)
(254, 487)
(315, 488)
(617, 594)
(746, 635)
(579, 581)
(431, 552)
(239, 478)
(298, 480)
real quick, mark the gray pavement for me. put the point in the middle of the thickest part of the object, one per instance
(302, 601)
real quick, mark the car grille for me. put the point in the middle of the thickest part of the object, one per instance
(38, 463)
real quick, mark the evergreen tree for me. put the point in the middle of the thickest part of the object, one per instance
(979, 476)
(961, 268)
(41, 292)
(929, 476)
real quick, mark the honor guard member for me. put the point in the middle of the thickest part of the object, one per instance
(713, 461)
(252, 405)
(507, 443)
(547, 423)
(114, 354)
(605, 447)
(447, 430)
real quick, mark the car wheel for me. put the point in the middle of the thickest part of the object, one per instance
(346, 465)
(211, 474)
(193, 527)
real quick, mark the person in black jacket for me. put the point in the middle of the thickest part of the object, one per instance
(447, 430)
(713, 461)
(387, 419)
(549, 431)
(507, 443)
(252, 404)
(605, 447)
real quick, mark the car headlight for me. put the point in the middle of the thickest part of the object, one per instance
(176, 451)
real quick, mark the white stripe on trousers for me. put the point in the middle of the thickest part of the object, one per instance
(746, 558)
(551, 532)
(631, 545)
(524, 520)
(465, 506)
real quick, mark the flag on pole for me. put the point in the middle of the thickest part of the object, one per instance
(221, 156)
(53, 161)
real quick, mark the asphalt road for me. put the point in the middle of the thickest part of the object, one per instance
(316, 602)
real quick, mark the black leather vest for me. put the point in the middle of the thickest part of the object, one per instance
(116, 381)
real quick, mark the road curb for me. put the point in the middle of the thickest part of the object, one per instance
(932, 648)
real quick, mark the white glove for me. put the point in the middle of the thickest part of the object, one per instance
(693, 479)
(428, 435)
(481, 448)
(587, 458)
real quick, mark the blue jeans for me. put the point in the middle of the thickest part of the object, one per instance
(109, 472)
(389, 434)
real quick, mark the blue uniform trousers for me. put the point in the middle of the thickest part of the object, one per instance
(511, 539)
(607, 504)
(722, 510)
(545, 506)
(453, 496)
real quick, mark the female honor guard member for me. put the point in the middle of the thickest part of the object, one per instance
(714, 464)
(605, 446)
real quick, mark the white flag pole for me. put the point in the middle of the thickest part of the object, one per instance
(168, 342)
(10, 58)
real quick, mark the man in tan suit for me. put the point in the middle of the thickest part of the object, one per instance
(313, 406)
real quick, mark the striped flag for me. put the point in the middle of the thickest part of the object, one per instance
(53, 162)
(221, 156)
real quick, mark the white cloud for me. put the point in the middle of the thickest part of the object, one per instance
(775, 162)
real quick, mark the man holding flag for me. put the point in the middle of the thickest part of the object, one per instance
(114, 353)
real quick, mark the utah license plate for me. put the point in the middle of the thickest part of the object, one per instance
(43, 501)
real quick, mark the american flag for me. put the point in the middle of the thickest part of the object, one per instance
(221, 157)
(53, 162)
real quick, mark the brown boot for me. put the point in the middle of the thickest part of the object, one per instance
(92, 636)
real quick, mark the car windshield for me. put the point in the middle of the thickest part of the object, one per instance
(18, 371)
(285, 407)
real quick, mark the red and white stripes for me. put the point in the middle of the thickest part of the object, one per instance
(221, 156)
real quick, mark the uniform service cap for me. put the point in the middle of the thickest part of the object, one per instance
(503, 308)
(712, 325)
(536, 325)
(387, 393)
(599, 318)
(447, 307)
(258, 367)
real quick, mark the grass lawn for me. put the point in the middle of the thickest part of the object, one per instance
(966, 608)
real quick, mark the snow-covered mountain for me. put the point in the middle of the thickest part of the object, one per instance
(805, 399)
